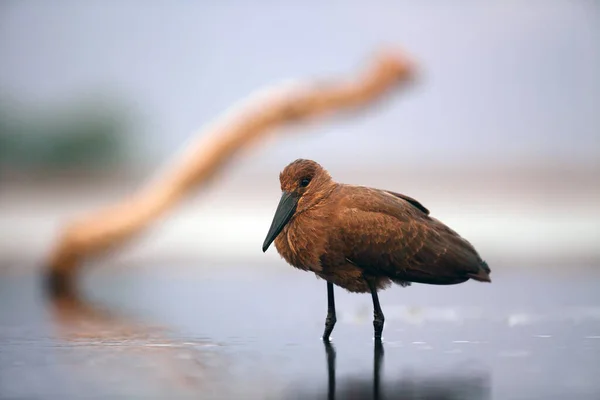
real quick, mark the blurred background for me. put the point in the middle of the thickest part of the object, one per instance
(500, 138)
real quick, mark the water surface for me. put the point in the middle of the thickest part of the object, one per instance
(241, 332)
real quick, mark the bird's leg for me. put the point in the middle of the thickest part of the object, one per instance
(378, 318)
(330, 320)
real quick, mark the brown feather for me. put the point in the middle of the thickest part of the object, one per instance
(412, 201)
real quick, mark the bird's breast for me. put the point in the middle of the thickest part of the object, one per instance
(300, 244)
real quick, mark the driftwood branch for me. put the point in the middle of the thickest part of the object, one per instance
(211, 149)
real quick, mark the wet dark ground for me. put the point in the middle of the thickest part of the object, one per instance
(230, 332)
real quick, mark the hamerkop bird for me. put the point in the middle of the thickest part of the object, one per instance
(362, 239)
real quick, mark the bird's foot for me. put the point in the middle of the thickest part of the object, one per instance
(378, 327)
(329, 324)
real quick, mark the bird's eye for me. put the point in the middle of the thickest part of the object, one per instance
(304, 182)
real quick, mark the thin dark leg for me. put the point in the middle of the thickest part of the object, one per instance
(330, 350)
(378, 318)
(330, 320)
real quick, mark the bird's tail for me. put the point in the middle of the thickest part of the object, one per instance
(483, 275)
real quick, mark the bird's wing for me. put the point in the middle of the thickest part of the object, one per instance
(387, 235)
(412, 201)
(400, 206)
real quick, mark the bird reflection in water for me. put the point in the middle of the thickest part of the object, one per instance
(331, 356)
(454, 386)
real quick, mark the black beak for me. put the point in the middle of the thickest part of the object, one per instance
(285, 210)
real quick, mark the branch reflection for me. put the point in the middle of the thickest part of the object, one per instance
(120, 351)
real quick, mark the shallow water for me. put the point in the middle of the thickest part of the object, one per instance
(233, 332)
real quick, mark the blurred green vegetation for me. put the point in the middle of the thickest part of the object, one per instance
(88, 134)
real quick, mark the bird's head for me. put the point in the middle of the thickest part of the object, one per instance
(303, 184)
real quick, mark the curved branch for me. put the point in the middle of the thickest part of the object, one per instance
(209, 151)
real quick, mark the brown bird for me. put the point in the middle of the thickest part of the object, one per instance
(363, 239)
